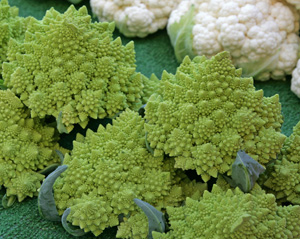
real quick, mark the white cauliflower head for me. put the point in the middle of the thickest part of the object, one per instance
(134, 17)
(261, 35)
(295, 83)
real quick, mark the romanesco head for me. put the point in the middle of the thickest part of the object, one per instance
(69, 64)
(231, 214)
(107, 169)
(11, 26)
(27, 148)
(284, 179)
(206, 112)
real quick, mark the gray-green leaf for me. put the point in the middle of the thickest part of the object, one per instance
(60, 155)
(245, 171)
(151, 151)
(48, 169)
(156, 219)
(8, 201)
(46, 203)
(74, 231)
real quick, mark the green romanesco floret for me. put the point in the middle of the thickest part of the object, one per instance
(69, 64)
(27, 148)
(206, 112)
(151, 85)
(107, 169)
(11, 26)
(284, 178)
(136, 226)
(226, 213)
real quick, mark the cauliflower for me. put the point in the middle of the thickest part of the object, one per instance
(284, 178)
(11, 26)
(261, 35)
(296, 3)
(27, 149)
(231, 214)
(295, 82)
(134, 17)
(207, 112)
(68, 64)
(107, 169)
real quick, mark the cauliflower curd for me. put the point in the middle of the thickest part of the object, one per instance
(261, 35)
(134, 17)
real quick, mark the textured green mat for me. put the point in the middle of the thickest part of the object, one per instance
(154, 54)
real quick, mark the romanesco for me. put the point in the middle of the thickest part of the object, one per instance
(207, 112)
(231, 214)
(107, 169)
(284, 180)
(68, 64)
(27, 148)
(11, 26)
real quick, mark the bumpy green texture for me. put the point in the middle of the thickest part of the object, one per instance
(11, 26)
(27, 148)
(226, 213)
(108, 169)
(151, 86)
(284, 180)
(69, 64)
(206, 112)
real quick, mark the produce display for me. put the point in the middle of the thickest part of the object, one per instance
(150, 119)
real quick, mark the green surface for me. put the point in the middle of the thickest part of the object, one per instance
(154, 54)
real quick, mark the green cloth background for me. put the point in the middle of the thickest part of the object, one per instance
(154, 54)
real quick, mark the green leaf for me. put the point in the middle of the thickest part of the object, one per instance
(8, 201)
(148, 145)
(60, 126)
(74, 231)
(156, 218)
(46, 203)
(181, 35)
(60, 155)
(254, 68)
(245, 172)
(48, 169)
